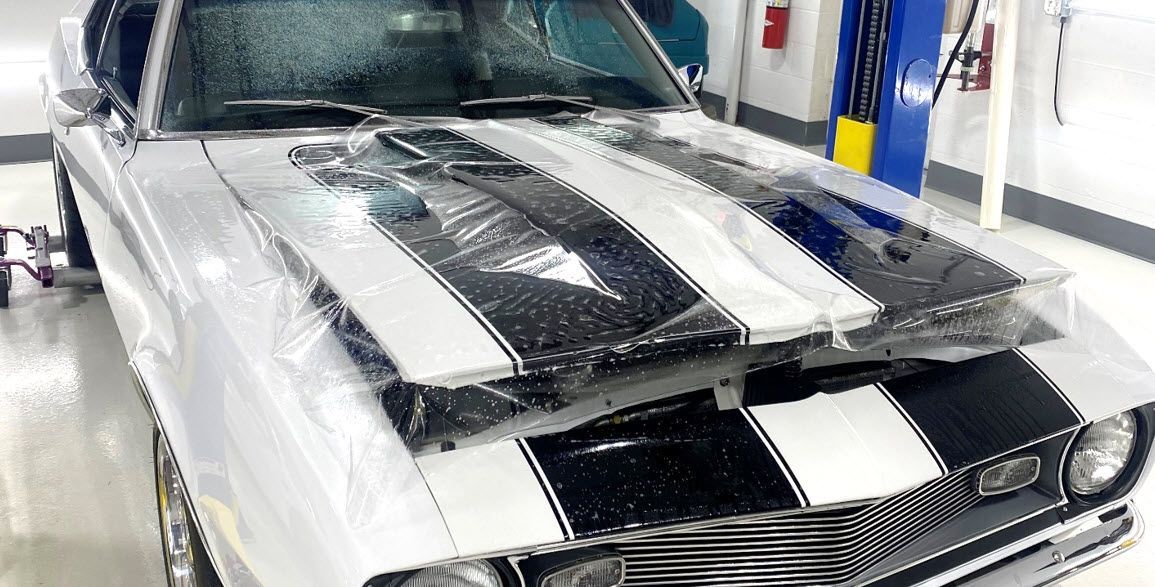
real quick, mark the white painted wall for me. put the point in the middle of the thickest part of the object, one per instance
(26, 29)
(794, 81)
(1101, 159)
(721, 16)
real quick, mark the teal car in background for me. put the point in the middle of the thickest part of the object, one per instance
(682, 31)
(584, 37)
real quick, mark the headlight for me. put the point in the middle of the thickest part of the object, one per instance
(1102, 453)
(466, 574)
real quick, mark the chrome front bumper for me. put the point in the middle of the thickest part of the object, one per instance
(1055, 555)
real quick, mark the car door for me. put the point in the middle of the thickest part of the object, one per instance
(112, 43)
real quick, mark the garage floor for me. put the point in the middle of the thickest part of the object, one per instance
(76, 488)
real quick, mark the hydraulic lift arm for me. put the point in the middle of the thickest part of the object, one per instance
(884, 79)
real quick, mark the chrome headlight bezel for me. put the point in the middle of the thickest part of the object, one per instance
(500, 568)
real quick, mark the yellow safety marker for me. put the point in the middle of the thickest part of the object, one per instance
(854, 144)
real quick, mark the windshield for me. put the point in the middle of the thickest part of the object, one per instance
(409, 57)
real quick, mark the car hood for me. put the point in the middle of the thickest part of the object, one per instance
(477, 251)
(276, 292)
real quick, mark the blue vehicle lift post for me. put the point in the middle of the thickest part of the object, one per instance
(884, 79)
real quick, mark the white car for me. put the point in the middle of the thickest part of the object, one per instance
(470, 293)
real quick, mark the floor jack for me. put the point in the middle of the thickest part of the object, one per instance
(40, 244)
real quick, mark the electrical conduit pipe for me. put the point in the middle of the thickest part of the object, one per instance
(1002, 101)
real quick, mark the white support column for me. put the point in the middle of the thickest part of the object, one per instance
(1002, 100)
(738, 62)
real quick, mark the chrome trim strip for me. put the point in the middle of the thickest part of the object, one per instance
(156, 68)
(888, 512)
(887, 537)
(792, 568)
(1002, 553)
(1107, 552)
(660, 53)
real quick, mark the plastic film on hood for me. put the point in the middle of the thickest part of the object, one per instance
(491, 277)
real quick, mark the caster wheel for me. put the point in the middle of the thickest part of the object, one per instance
(5, 284)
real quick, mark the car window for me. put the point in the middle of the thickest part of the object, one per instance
(95, 28)
(655, 12)
(581, 33)
(121, 59)
(410, 57)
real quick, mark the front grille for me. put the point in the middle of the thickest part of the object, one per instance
(818, 548)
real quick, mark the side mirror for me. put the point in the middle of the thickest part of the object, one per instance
(77, 107)
(693, 74)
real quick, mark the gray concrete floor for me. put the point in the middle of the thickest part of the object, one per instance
(76, 488)
(77, 499)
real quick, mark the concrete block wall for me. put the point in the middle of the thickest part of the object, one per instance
(794, 81)
(787, 89)
(1100, 160)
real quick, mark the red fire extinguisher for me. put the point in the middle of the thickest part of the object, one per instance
(777, 19)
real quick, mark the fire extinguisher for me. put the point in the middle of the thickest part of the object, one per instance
(777, 20)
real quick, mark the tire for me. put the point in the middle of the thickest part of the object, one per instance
(71, 227)
(5, 284)
(183, 536)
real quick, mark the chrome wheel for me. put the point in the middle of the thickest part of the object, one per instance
(186, 561)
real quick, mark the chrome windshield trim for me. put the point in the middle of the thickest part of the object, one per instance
(656, 48)
(224, 135)
(156, 69)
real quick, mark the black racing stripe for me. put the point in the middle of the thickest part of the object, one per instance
(1052, 383)
(659, 472)
(972, 250)
(470, 212)
(982, 408)
(917, 431)
(544, 487)
(897, 264)
(636, 233)
(773, 447)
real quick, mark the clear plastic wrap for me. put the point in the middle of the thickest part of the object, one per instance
(358, 337)
(571, 264)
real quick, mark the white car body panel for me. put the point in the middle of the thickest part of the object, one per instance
(295, 472)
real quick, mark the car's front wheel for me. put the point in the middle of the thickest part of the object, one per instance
(186, 561)
(71, 227)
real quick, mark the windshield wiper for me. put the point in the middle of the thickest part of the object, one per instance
(314, 103)
(583, 101)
